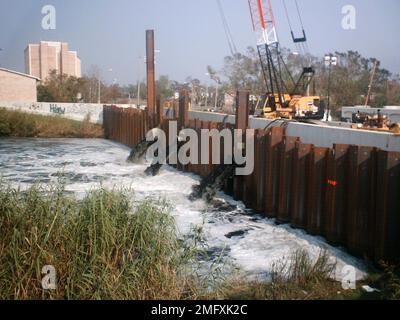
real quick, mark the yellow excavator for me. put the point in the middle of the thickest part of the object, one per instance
(284, 97)
(297, 107)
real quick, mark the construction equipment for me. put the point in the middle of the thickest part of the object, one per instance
(371, 82)
(284, 97)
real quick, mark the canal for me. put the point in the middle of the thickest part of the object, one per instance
(246, 239)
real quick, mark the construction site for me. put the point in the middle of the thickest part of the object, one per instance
(279, 162)
(339, 180)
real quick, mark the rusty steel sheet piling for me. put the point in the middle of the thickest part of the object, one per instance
(259, 167)
(249, 186)
(242, 123)
(361, 199)
(387, 239)
(159, 108)
(337, 194)
(242, 110)
(272, 167)
(183, 114)
(348, 194)
(285, 178)
(301, 168)
(316, 191)
(151, 87)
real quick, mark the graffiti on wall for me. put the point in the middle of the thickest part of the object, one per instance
(56, 109)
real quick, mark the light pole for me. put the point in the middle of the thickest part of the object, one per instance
(99, 92)
(330, 61)
(206, 95)
(218, 82)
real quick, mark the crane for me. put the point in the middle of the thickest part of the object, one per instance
(284, 96)
(371, 82)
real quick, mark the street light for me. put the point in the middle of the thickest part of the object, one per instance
(218, 82)
(330, 61)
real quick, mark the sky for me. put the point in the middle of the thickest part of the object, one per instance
(189, 33)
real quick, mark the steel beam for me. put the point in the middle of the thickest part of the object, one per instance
(151, 96)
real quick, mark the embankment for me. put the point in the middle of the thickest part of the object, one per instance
(20, 124)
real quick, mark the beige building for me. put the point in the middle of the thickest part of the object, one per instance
(42, 58)
(18, 87)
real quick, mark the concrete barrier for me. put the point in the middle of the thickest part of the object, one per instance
(73, 111)
(324, 136)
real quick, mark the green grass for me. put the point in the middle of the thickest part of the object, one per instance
(103, 247)
(25, 125)
(98, 248)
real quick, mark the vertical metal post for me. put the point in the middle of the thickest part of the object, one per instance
(360, 223)
(272, 169)
(242, 122)
(387, 236)
(285, 178)
(183, 114)
(301, 170)
(159, 107)
(151, 97)
(316, 191)
(242, 110)
(336, 194)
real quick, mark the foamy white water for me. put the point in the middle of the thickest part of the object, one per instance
(251, 241)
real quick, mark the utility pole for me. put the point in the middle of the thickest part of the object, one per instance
(151, 97)
(99, 93)
(206, 94)
(218, 81)
(371, 83)
(216, 96)
(330, 61)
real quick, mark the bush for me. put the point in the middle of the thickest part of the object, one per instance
(99, 248)
(24, 125)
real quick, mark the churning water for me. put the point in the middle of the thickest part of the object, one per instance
(250, 241)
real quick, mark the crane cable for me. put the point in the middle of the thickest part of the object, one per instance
(301, 47)
(228, 34)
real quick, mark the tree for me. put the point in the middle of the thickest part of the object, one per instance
(163, 87)
(349, 79)
(60, 88)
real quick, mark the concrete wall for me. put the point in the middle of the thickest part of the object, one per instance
(16, 87)
(73, 111)
(318, 135)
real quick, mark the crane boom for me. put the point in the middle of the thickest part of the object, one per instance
(268, 48)
(263, 21)
(283, 94)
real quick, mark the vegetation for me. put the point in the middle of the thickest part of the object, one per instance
(98, 248)
(19, 124)
(103, 247)
(64, 88)
(349, 79)
(349, 82)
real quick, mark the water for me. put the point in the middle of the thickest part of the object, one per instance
(250, 241)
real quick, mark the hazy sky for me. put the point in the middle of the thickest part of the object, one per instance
(189, 33)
